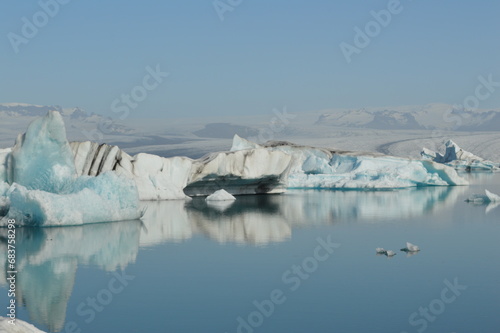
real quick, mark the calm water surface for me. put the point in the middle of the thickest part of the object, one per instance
(300, 262)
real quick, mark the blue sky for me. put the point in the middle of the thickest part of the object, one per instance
(263, 55)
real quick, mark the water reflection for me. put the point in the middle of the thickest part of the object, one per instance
(260, 220)
(47, 260)
(49, 257)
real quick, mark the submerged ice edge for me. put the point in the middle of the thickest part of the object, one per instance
(53, 182)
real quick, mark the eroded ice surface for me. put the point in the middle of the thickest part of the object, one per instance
(159, 178)
(458, 158)
(313, 167)
(43, 187)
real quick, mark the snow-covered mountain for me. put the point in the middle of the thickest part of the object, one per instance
(22, 113)
(32, 110)
(426, 117)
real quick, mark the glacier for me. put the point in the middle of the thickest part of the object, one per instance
(41, 187)
(322, 168)
(460, 159)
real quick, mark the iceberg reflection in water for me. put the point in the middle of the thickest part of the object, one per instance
(260, 220)
(49, 257)
(47, 260)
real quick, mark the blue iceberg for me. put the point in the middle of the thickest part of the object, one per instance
(40, 186)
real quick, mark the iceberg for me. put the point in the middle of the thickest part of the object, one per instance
(321, 168)
(4, 164)
(44, 180)
(43, 188)
(488, 197)
(492, 200)
(159, 178)
(220, 195)
(460, 159)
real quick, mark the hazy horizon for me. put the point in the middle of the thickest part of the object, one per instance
(241, 58)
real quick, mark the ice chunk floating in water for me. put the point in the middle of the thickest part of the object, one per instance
(44, 187)
(390, 253)
(410, 248)
(220, 195)
(458, 158)
(487, 198)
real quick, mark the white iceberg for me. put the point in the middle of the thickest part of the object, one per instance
(390, 253)
(44, 188)
(220, 195)
(410, 248)
(488, 197)
(158, 178)
(321, 168)
(4, 164)
(492, 196)
(458, 158)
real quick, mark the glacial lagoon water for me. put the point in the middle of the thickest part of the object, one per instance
(300, 262)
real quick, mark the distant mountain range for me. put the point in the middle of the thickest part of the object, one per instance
(429, 117)
(74, 117)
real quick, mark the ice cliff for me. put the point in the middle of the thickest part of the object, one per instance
(39, 184)
(158, 178)
(458, 158)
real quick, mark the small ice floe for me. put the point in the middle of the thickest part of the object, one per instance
(489, 198)
(410, 248)
(390, 253)
(483, 199)
(220, 200)
(382, 251)
(220, 195)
